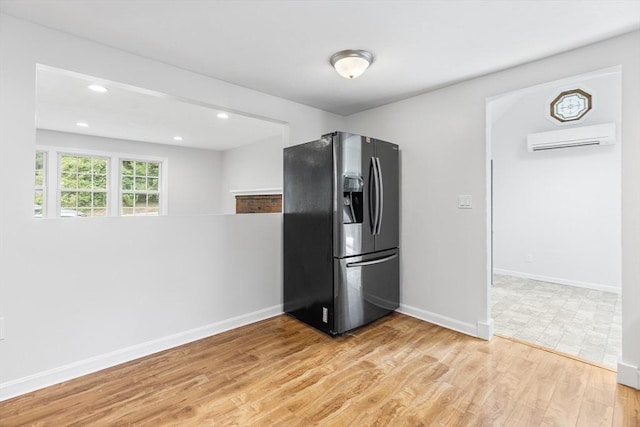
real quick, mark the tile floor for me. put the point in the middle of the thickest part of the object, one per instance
(578, 321)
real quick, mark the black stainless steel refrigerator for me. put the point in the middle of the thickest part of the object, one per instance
(341, 209)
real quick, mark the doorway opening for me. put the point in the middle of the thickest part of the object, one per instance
(556, 221)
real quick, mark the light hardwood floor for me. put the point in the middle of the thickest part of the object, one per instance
(398, 371)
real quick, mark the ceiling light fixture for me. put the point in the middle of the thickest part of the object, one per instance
(177, 138)
(82, 125)
(98, 88)
(223, 116)
(351, 63)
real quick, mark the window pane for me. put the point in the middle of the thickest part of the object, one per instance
(153, 184)
(84, 181)
(100, 182)
(127, 200)
(39, 198)
(39, 177)
(69, 180)
(39, 160)
(127, 182)
(153, 200)
(141, 184)
(68, 199)
(140, 201)
(127, 167)
(40, 182)
(100, 166)
(99, 212)
(38, 203)
(141, 168)
(153, 211)
(138, 179)
(84, 164)
(100, 200)
(69, 164)
(84, 199)
(153, 169)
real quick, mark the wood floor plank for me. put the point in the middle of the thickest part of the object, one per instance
(399, 371)
(626, 411)
(569, 392)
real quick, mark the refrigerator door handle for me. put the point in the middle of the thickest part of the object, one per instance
(381, 195)
(374, 190)
(376, 172)
(372, 262)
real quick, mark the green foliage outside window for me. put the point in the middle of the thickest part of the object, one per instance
(38, 199)
(140, 187)
(83, 181)
(39, 168)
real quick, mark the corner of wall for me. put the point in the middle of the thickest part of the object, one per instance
(438, 319)
(485, 330)
(482, 330)
(628, 375)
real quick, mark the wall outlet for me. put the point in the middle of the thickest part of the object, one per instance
(1, 328)
(465, 201)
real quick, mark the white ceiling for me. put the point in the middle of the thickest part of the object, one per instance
(283, 47)
(124, 112)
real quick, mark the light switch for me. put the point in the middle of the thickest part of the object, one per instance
(465, 201)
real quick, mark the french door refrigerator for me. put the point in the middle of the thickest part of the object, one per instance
(341, 209)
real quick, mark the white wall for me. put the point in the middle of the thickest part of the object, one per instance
(556, 213)
(78, 296)
(445, 263)
(250, 167)
(194, 174)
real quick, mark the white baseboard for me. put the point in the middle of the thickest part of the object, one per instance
(576, 283)
(73, 370)
(628, 375)
(485, 330)
(444, 321)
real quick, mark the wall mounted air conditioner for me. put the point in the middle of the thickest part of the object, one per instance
(604, 134)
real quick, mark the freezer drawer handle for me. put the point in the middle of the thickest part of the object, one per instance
(372, 262)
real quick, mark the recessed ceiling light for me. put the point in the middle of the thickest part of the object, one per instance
(177, 138)
(223, 116)
(82, 125)
(98, 88)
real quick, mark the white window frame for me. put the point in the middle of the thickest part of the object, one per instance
(59, 190)
(161, 182)
(114, 184)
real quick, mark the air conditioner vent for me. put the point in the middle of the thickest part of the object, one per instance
(583, 136)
